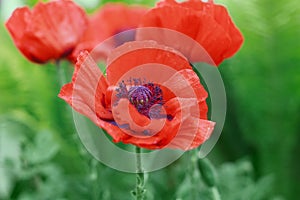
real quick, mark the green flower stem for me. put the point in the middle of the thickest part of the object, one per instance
(95, 179)
(139, 190)
(191, 172)
(215, 193)
(60, 73)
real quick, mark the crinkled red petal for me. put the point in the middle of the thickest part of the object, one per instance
(86, 92)
(199, 26)
(186, 84)
(134, 54)
(207, 23)
(49, 31)
(17, 25)
(116, 17)
(109, 20)
(184, 131)
(193, 131)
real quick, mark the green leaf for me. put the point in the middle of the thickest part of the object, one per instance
(237, 182)
(262, 82)
(42, 149)
(11, 139)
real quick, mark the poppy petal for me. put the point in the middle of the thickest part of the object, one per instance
(66, 93)
(211, 27)
(163, 137)
(83, 92)
(204, 29)
(115, 18)
(186, 84)
(185, 131)
(185, 140)
(108, 21)
(61, 31)
(132, 54)
(159, 140)
(87, 82)
(193, 131)
(221, 16)
(16, 24)
(125, 113)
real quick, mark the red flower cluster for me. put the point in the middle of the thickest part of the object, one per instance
(150, 96)
(61, 29)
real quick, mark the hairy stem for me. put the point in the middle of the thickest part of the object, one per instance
(139, 190)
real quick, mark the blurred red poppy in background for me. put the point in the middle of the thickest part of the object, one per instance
(205, 22)
(48, 31)
(109, 20)
(150, 97)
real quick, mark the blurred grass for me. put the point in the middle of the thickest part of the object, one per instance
(262, 83)
(263, 89)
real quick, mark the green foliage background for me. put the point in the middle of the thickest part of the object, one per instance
(257, 156)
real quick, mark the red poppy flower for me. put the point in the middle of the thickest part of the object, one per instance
(108, 21)
(48, 31)
(150, 97)
(207, 23)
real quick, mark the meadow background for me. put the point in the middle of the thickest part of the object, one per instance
(256, 157)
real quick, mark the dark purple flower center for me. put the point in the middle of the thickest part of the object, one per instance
(139, 96)
(143, 96)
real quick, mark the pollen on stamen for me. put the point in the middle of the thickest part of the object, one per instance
(139, 96)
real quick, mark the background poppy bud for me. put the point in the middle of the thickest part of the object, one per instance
(208, 172)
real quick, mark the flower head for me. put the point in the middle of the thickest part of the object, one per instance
(48, 31)
(150, 97)
(205, 22)
(108, 21)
